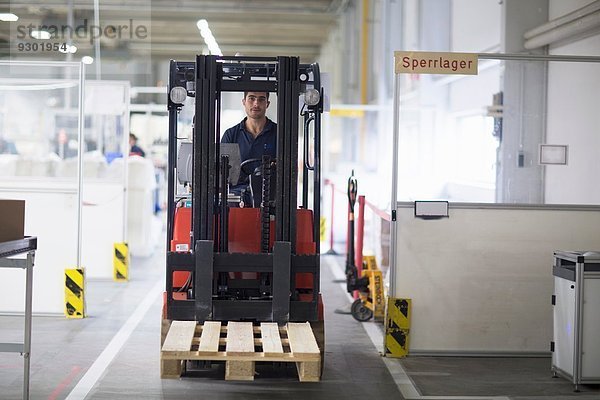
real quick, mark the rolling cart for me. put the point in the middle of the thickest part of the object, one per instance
(576, 300)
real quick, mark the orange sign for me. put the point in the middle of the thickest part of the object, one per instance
(420, 62)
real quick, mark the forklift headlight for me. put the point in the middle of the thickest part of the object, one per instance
(178, 94)
(312, 97)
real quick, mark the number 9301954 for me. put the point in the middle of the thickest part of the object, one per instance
(42, 47)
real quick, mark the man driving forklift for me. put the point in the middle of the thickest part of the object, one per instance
(255, 134)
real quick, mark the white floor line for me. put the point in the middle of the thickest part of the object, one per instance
(403, 381)
(85, 384)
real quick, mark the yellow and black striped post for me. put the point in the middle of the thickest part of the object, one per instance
(121, 262)
(322, 227)
(74, 293)
(397, 327)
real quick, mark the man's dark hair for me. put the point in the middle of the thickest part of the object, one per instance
(246, 94)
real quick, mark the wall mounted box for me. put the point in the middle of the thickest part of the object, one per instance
(12, 220)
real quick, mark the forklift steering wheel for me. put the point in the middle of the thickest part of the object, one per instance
(243, 166)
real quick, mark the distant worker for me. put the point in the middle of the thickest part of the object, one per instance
(256, 134)
(135, 150)
(7, 147)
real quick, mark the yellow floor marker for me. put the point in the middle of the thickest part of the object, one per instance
(74, 293)
(121, 262)
(397, 327)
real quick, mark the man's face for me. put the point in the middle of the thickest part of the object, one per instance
(256, 104)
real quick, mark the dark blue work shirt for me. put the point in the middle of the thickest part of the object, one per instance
(264, 144)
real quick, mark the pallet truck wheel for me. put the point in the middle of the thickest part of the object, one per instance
(360, 312)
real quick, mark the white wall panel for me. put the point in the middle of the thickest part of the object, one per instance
(481, 280)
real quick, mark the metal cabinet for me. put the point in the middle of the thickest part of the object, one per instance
(576, 300)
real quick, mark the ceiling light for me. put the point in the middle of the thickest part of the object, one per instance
(205, 33)
(8, 17)
(87, 60)
(42, 35)
(202, 24)
(209, 39)
(67, 48)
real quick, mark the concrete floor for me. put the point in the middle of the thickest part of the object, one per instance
(114, 354)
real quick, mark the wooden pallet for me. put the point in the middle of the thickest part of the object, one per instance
(241, 345)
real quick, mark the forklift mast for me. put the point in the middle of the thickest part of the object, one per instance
(244, 263)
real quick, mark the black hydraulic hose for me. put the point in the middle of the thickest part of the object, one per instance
(317, 159)
(172, 157)
(307, 120)
(306, 164)
(317, 181)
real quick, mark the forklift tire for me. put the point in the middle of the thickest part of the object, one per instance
(360, 312)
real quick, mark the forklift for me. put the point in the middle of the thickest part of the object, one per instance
(231, 259)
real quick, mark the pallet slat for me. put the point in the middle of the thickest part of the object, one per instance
(240, 341)
(302, 340)
(223, 356)
(240, 338)
(209, 338)
(271, 340)
(180, 336)
(302, 343)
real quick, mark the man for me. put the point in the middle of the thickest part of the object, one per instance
(256, 134)
(7, 147)
(135, 150)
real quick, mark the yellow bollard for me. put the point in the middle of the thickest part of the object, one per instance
(74, 293)
(322, 227)
(121, 262)
(397, 327)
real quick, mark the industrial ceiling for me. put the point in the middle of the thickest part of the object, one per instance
(249, 27)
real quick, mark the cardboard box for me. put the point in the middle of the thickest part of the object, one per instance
(12, 220)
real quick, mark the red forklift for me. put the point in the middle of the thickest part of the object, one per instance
(252, 256)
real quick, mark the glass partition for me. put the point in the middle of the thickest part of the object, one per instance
(39, 117)
(522, 131)
(106, 129)
(484, 138)
(40, 131)
(105, 189)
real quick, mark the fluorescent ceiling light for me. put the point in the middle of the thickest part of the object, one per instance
(8, 17)
(87, 60)
(202, 24)
(68, 49)
(208, 37)
(42, 35)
